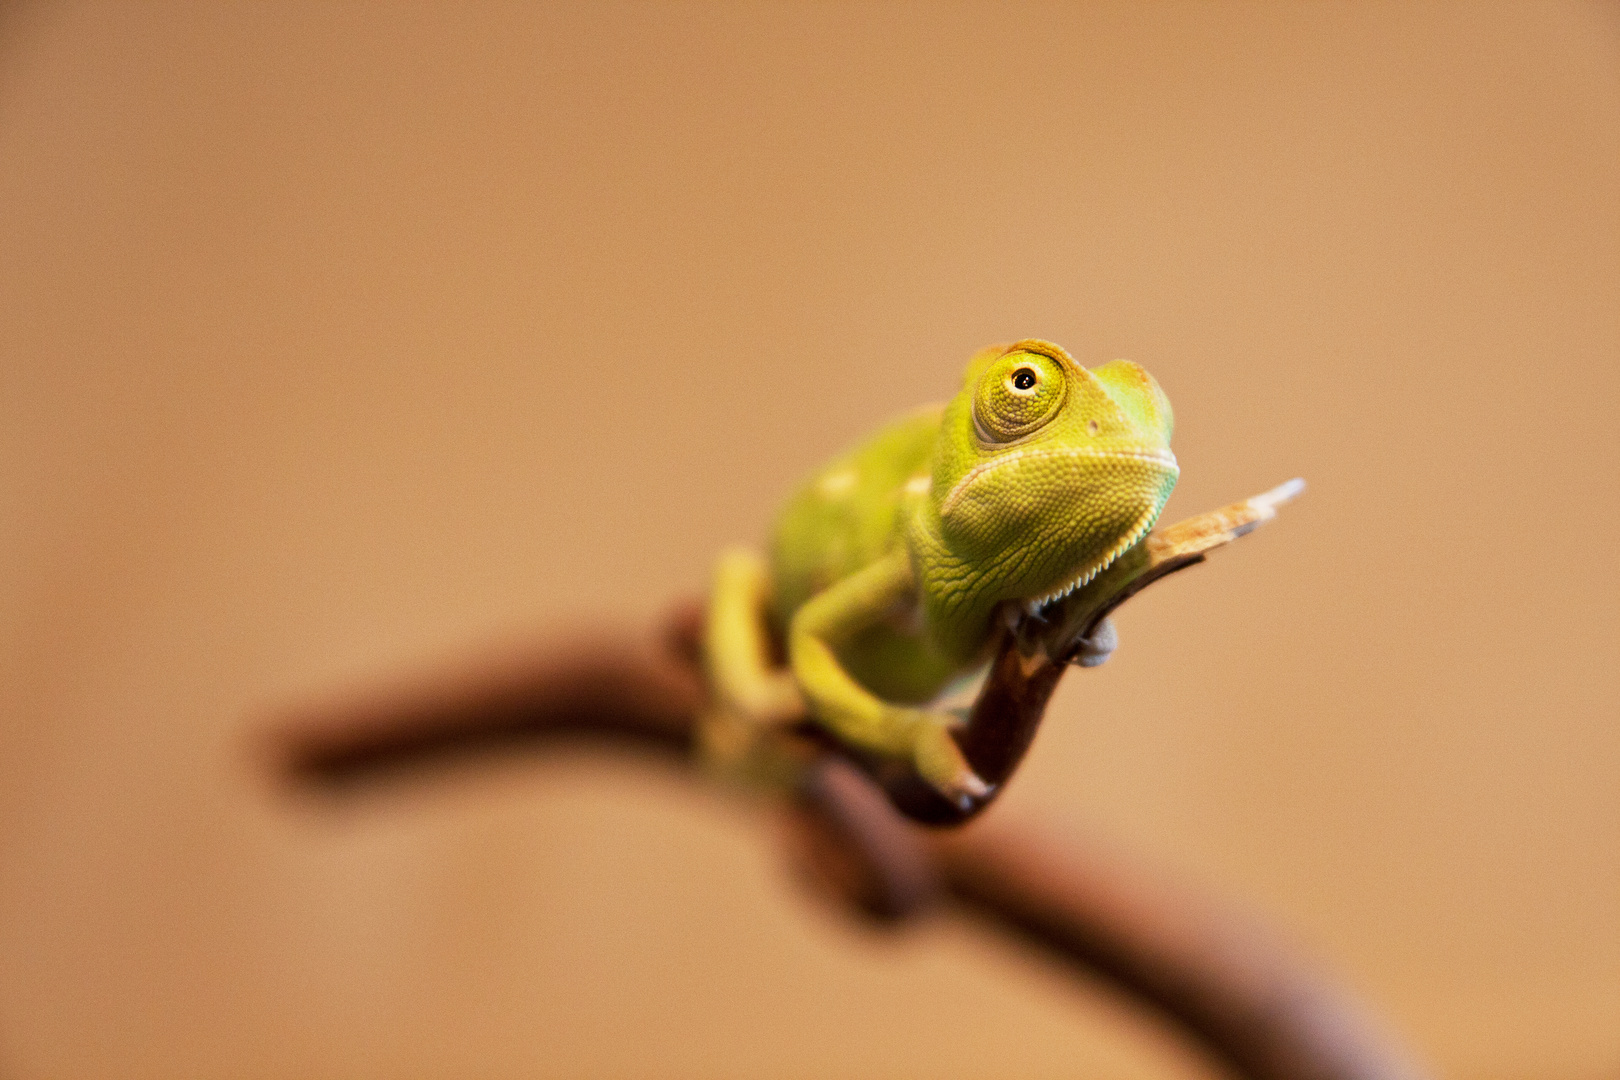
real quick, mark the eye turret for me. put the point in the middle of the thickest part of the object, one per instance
(1017, 394)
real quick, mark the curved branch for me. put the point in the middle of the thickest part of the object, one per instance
(1220, 977)
(1249, 1002)
(640, 694)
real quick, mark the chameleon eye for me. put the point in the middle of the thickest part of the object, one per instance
(1017, 394)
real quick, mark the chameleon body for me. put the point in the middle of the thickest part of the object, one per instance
(890, 572)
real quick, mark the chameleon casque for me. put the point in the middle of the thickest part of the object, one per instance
(890, 571)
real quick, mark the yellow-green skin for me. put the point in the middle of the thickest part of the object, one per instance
(889, 570)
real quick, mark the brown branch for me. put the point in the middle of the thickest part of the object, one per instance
(604, 688)
(1219, 977)
(1223, 980)
(1244, 998)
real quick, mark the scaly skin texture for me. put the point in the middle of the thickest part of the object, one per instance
(888, 570)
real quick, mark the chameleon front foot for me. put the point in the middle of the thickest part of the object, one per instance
(939, 761)
(1095, 648)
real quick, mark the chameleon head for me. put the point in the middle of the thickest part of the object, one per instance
(1046, 471)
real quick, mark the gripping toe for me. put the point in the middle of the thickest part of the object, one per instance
(939, 761)
(1099, 646)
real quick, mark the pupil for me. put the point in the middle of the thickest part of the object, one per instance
(1023, 378)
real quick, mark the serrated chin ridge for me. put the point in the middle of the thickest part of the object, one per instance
(1085, 576)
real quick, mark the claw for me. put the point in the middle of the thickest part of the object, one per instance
(939, 761)
(967, 788)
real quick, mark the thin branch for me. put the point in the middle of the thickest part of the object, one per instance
(1220, 977)
(1239, 994)
(609, 688)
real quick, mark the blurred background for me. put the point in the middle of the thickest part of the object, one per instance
(339, 343)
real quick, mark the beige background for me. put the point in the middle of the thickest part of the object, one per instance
(337, 342)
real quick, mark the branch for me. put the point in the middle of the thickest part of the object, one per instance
(1239, 994)
(1219, 977)
(610, 688)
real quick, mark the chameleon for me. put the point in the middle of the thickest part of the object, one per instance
(890, 572)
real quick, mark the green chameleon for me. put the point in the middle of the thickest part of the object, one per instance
(890, 572)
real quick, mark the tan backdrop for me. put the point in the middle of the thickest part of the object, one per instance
(338, 342)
